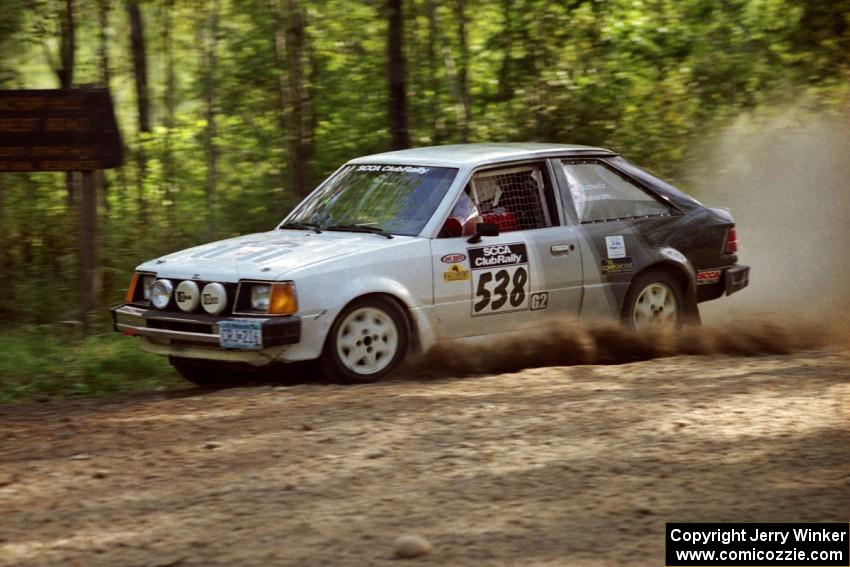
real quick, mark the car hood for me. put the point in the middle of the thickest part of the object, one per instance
(265, 255)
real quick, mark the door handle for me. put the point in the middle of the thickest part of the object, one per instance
(562, 248)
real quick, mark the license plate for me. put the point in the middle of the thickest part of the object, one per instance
(244, 334)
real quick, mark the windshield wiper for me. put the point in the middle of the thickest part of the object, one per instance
(359, 228)
(301, 226)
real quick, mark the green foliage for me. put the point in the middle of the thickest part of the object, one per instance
(36, 363)
(648, 78)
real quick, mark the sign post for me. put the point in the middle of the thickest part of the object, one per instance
(64, 130)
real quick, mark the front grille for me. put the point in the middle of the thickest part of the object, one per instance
(185, 327)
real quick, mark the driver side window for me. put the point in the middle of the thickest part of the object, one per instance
(514, 198)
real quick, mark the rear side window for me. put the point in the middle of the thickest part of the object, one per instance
(599, 194)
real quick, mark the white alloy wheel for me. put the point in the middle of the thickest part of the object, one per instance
(367, 340)
(656, 307)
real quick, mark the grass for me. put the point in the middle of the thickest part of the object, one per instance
(39, 363)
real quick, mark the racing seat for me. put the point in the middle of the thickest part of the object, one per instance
(501, 217)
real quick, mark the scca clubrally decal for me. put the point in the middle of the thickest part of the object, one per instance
(501, 278)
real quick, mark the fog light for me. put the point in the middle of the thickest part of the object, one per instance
(161, 293)
(214, 298)
(187, 296)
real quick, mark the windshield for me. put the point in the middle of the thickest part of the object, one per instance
(398, 199)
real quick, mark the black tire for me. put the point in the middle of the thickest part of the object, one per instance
(332, 365)
(209, 374)
(642, 282)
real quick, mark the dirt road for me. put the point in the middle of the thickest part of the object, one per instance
(573, 465)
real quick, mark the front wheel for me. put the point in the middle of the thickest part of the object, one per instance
(367, 341)
(655, 301)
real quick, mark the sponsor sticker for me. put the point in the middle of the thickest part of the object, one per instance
(501, 278)
(617, 265)
(708, 277)
(456, 273)
(453, 258)
(616, 246)
(539, 301)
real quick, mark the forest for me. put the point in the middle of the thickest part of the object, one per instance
(232, 110)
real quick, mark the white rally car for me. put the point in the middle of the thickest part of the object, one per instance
(397, 251)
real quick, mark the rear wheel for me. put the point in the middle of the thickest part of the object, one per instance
(367, 341)
(655, 301)
(207, 374)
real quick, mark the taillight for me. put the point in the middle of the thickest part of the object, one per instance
(731, 242)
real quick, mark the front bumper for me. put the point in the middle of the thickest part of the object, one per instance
(192, 329)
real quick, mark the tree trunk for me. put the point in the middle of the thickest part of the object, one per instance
(400, 135)
(103, 41)
(88, 249)
(67, 57)
(281, 66)
(463, 70)
(211, 56)
(433, 71)
(140, 71)
(295, 71)
(105, 76)
(69, 46)
(506, 91)
(140, 64)
(5, 247)
(168, 157)
(302, 107)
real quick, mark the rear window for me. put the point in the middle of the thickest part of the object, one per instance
(600, 193)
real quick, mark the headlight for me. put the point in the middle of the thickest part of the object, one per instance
(271, 298)
(214, 298)
(260, 294)
(161, 293)
(147, 284)
(136, 295)
(187, 296)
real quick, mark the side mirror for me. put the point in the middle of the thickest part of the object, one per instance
(483, 229)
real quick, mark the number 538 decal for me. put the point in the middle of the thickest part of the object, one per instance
(500, 278)
(500, 290)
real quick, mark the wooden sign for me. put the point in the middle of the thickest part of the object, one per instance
(58, 130)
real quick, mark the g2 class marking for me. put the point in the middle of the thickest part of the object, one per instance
(539, 300)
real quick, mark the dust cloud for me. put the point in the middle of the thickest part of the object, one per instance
(566, 342)
(785, 175)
